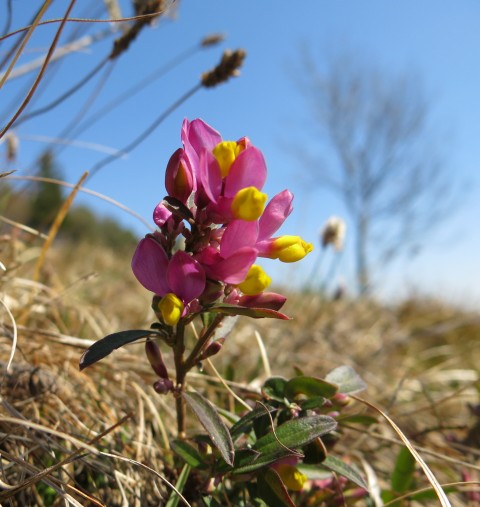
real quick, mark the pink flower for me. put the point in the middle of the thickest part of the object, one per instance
(181, 275)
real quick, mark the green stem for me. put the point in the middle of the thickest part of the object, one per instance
(181, 371)
(192, 359)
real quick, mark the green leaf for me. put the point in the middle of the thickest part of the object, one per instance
(245, 424)
(213, 423)
(310, 387)
(291, 435)
(347, 380)
(366, 420)
(174, 498)
(312, 403)
(338, 466)
(402, 475)
(256, 313)
(106, 345)
(271, 489)
(188, 453)
(274, 388)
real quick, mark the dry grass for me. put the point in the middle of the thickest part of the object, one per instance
(419, 361)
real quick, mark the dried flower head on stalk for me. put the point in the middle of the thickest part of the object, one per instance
(333, 233)
(228, 67)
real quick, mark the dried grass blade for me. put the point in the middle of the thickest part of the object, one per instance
(444, 501)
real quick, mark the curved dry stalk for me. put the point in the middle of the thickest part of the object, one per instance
(423, 490)
(15, 335)
(52, 233)
(80, 20)
(444, 501)
(30, 31)
(86, 191)
(40, 74)
(142, 465)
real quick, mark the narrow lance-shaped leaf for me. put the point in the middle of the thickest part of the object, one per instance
(213, 424)
(337, 465)
(105, 346)
(271, 489)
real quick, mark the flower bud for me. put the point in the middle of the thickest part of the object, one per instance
(248, 204)
(155, 358)
(163, 386)
(178, 176)
(269, 300)
(212, 349)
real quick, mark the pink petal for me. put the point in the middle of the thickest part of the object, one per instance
(185, 276)
(248, 170)
(238, 234)
(149, 265)
(221, 212)
(199, 134)
(161, 214)
(210, 175)
(234, 269)
(275, 214)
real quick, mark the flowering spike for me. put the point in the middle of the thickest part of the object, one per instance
(248, 204)
(255, 282)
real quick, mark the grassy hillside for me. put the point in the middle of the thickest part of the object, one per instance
(100, 437)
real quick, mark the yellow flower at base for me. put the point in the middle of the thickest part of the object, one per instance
(255, 282)
(249, 204)
(290, 248)
(291, 477)
(225, 153)
(171, 308)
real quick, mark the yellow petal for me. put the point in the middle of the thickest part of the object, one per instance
(171, 308)
(249, 204)
(255, 282)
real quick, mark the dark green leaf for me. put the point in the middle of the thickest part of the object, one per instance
(347, 380)
(274, 388)
(213, 423)
(309, 387)
(106, 345)
(256, 313)
(189, 454)
(245, 424)
(288, 437)
(312, 403)
(338, 466)
(402, 474)
(271, 489)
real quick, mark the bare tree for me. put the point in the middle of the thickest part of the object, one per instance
(373, 146)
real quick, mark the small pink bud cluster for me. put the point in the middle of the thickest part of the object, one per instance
(212, 226)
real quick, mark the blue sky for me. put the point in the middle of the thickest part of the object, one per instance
(437, 41)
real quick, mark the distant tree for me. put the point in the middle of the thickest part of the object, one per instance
(47, 197)
(373, 147)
